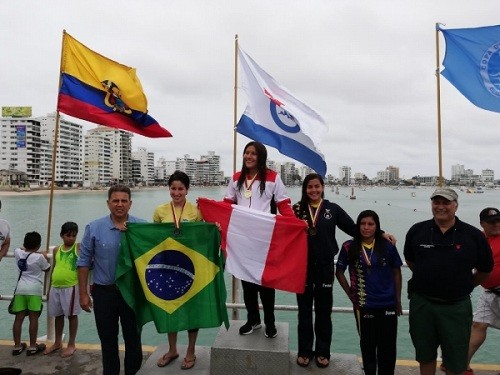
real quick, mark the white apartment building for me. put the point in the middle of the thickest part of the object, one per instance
(188, 165)
(345, 175)
(69, 153)
(288, 173)
(384, 176)
(487, 175)
(457, 171)
(20, 147)
(146, 164)
(210, 164)
(108, 159)
(164, 168)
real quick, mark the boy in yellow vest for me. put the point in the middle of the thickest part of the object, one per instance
(63, 296)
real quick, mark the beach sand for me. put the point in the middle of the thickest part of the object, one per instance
(10, 193)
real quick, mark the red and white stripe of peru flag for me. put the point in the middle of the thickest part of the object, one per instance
(262, 248)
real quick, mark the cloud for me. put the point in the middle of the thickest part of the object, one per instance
(367, 67)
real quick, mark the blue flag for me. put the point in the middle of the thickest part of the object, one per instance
(276, 118)
(472, 64)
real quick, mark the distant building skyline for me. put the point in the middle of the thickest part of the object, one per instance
(104, 155)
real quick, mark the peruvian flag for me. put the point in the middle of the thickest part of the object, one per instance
(261, 248)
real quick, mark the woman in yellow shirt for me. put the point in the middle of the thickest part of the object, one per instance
(176, 211)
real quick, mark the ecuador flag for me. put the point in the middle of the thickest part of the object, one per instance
(173, 279)
(100, 90)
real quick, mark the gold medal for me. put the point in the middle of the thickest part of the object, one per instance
(177, 220)
(312, 231)
(248, 187)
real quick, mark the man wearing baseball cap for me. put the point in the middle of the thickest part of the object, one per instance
(488, 306)
(448, 258)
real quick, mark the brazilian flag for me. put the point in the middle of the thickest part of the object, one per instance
(173, 277)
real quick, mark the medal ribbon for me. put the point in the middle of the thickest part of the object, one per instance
(177, 221)
(314, 218)
(364, 246)
(248, 186)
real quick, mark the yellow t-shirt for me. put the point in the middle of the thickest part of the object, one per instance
(163, 213)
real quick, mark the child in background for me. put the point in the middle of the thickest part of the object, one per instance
(63, 296)
(28, 295)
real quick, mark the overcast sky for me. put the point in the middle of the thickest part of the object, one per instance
(366, 66)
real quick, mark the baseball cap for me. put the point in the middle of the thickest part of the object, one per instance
(489, 214)
(447, 193)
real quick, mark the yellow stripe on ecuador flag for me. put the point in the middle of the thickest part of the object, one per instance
(94, 69)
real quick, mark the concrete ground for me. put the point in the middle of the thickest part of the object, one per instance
(87, 361)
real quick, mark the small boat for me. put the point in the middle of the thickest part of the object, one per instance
(352, 196)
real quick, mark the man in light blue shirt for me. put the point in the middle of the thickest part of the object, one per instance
(99, 250)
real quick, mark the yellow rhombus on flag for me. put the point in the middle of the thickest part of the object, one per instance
(173, 279)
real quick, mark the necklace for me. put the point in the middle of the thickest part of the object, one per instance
(248, 186)
(312, 231)
(177, 220)
(365, 246)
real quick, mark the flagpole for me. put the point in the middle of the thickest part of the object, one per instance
(235, 312)
(50, 321)
(54, 153)
(438, 88)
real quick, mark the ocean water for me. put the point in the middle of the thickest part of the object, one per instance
(398, 210)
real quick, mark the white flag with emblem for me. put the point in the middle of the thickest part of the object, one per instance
(276, 118)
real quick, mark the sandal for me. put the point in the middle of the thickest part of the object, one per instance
(188, 363)
(17, 351)
(164, 360)
(320, 361)
(303, 361)
(37, 349)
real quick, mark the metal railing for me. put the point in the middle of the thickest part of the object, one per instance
(234, 306)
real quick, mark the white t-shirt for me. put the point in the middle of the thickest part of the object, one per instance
(31, 282)
(4, 231)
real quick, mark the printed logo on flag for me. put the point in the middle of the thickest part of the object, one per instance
(490, 69)
(172, 273)
(281, 117)
(114, 99)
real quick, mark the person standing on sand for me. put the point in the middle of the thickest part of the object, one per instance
(99, 250)
(448, 258)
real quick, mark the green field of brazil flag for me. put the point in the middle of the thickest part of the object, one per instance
(176, 281)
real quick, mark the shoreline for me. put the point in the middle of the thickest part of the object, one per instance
(36, 192)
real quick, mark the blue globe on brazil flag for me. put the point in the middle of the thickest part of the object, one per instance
(170, 274)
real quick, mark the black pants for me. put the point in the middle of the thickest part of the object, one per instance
(250, 297)
(321, 295)
(109, 308)
(378, 332)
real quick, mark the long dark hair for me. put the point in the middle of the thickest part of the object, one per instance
(354, 253)
(304, 199)
(261, 166)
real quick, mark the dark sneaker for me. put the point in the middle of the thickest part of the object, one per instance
(271, 331)
(248, 328)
